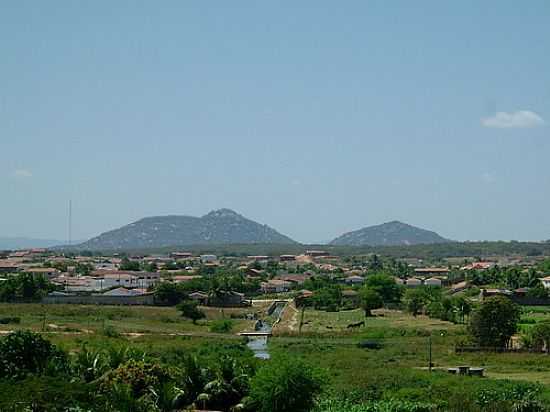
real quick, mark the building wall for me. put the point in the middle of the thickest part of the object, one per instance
(147, 299)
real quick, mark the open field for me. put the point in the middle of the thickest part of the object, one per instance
(326, 341)
(122, 319)
(397, 369)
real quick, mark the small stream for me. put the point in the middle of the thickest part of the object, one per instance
(258, 344)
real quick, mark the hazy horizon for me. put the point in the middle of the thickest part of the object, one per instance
(315, 118)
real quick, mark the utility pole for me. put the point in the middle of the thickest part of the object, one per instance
(70, 222)
(430, 352)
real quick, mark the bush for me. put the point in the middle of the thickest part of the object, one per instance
(189, 310)
(10, 319)
(285, 384)
(24, 353)
(222, 326)
(111, 332)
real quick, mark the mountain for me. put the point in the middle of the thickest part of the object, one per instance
(218, 227)
(13, 243)
(389, 234)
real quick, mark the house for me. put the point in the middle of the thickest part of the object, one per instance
(126, 278)
(317, 253)
(296, 279)
(76, 284)
(545, 282)
(8, 266)
(354, 280)
(181, 255)
(287, 258)
(124, 292)
(253, 273)
(431, 271)
(436, 282)
(227, 299)
(117, 278)
(208, 259)
(485, 293)
(478, 266)
(261, 258)
(200, 297)
(413, 282)
(184, 278)
(45, 272)
(275, 286)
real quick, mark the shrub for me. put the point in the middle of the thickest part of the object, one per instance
(23, 353)
(10, 319)
(494, 322)
(111, 332)
(285, 384)
(222, 326)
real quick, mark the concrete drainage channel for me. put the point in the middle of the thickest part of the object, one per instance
(258, 343)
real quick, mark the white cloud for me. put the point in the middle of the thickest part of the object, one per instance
(22, 173)
(519, 119)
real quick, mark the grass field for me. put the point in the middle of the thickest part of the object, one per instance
(397, 369)
(326, 341)
(91, 319)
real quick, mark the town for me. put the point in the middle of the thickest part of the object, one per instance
(360, 308)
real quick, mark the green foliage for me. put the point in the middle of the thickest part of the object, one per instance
(414, 300)
(6, 320)
(132, 265)
(222, 326)
(189, 309)
(494, 322)
(140, 376)
(23, 353)
(327, 298)
(285, 384)
(24, 287)
(540, 335)
(385, 286)
(370, 300)
(167, 293)
(390, 405)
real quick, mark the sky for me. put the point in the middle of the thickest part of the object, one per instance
(315, 117)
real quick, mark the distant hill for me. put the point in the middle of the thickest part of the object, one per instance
(218, 227)
(13, 243)
(389, 234)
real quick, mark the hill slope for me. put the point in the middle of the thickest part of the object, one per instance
(218, 227)
(389, 234)
(12, 243)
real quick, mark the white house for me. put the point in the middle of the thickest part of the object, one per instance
(433, 282)
(355, 280)
(545, 282)
(275, 286)
(413, 282)
(208, 258)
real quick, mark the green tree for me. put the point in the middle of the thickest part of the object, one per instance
(494, 322)
(167, 293)
(24, 352)
(414, 300)
(189, 309)
(285, 384)
(463, 307)
(385, 286)
(127, 264)
(370, 300)
(541, 335)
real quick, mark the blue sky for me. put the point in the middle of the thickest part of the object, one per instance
(314, 117)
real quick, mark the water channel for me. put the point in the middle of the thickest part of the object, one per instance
(258, 344)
